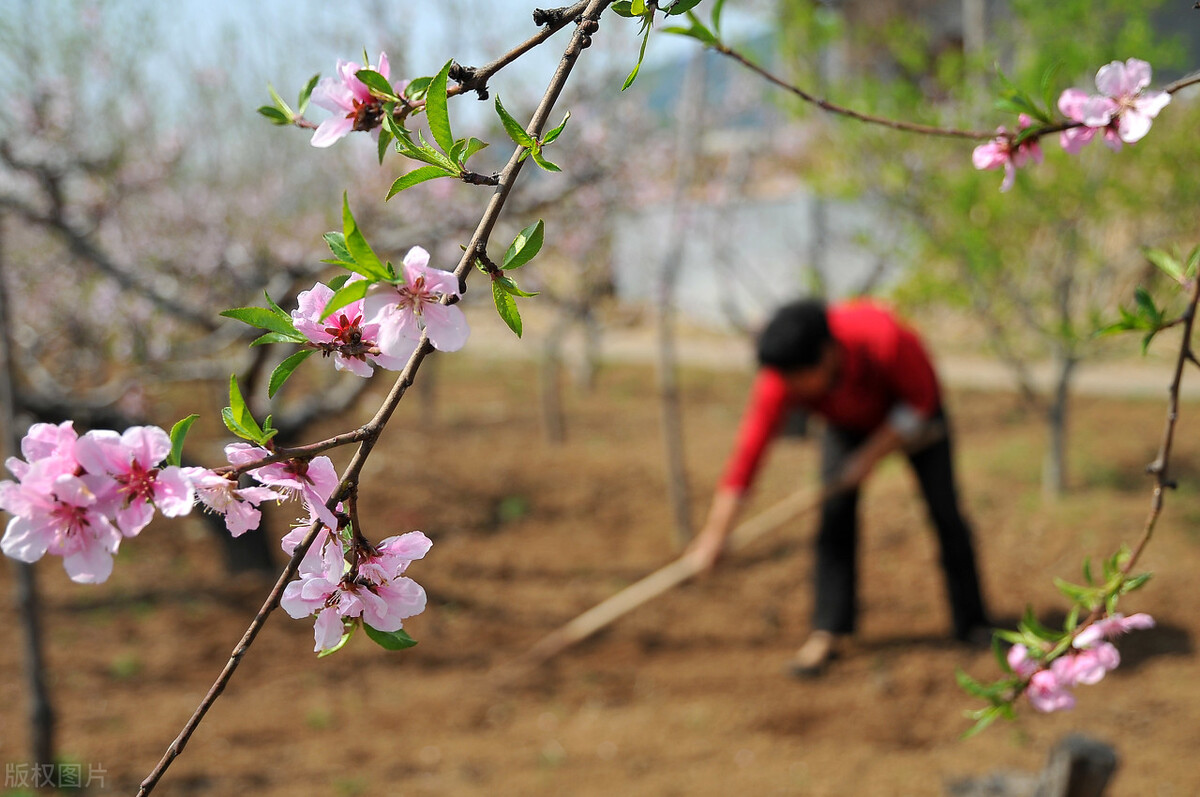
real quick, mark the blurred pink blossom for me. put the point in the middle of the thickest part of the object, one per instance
(1002, 152)
(1112, 626)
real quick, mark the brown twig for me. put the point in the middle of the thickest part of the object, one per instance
(913, 127)
(1160, 467)
(372, 430)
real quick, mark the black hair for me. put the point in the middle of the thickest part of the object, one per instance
(795, 337)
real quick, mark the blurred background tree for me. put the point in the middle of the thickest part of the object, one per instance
(1040, 268)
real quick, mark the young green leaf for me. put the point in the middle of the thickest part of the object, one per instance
(285, 369)
(637, 7)
(716, 16)
(361, 254)
(263, 318)
(416, 88)
(279, 103)
(1165, 262)
(473, 145)
(237, 416)
(275, 337)
(381, 146)
(390, 640)
(536, 154)
(178, 434)
(348, 293)
(556, 132)
(349, 632)
(306, 92)
(982, 721)
(506, 306)
(337, 244)
(513, 127)
(377, 83)
(415, 177)
(624, 8)
(525, 246)
(436, 110)
(276, 116)
(510, 286)
(697, 32)
(681, 6)
(641, 55)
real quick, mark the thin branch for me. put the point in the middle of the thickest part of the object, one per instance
(913, 127)
(841, 110)
(375, 427)
(1160, 466)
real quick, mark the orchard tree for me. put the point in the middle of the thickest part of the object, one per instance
(1042, 267)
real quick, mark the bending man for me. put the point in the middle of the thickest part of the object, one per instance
(870, 378)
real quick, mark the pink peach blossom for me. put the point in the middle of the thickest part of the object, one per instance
(404, 311)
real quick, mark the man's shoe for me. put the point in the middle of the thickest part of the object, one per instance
(813, 656)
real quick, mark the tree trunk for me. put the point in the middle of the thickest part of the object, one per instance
(1054, 468)
(686, 151)
(554, 425)
(41, 711)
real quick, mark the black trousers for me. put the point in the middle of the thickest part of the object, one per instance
(837, 537)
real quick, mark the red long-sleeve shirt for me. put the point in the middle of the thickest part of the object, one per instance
(883, 366)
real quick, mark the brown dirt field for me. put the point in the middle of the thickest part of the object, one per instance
(685, 696)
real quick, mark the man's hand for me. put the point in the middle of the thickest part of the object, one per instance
(709, 544)
(705, 551)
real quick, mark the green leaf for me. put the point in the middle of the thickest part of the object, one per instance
(716, 16)
(436, 111)
(506, 306)
(416, 176)
(1168, 264)
(237, 416)
(178, 434)
(1087, 571)
(513, 127)
(1146, 304)
(698, 32)
(390, 640)
(416, 88)
(473, 145)
(1072, 621)
(1011, 637)
(1001, 654)
(1047, 86)
(349, 632)
(536, 154)
(349, 293)
(525, 246)
(337, 245)
(285, 369)
(556, 132)
(377, 83)
(681, 6)
(1137, 582)
(982, 721)
(279, 103)
(306, 92)
(641, 55)
(623, 8)
(385, 138)
(510, 286)
(969, 684)
(637, 7)
(276, 116)
(360, 251)
(1193, 263)
(262, 318)
(275, 337)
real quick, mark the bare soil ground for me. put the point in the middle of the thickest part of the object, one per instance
(686, 696)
